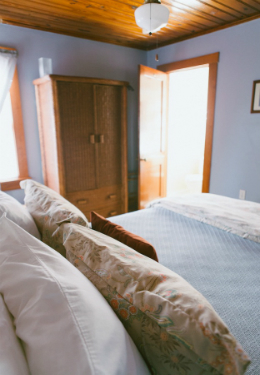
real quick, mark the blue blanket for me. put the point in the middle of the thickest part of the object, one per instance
(224, 267)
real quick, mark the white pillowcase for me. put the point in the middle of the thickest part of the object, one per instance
(67, 327)
(12, 359)
(18, 213)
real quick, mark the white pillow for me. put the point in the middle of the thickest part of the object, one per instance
(12, 359)
(18, 213)
(67, 327)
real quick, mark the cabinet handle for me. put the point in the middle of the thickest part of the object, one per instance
(101, 138)
(82, 201)
(112, 196)
(92, 138)
(112, 213)
(142, 159)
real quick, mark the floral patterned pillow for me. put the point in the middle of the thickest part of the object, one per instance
(174, 327)
(48, 209)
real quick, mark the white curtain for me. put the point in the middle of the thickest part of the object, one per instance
(8, 60)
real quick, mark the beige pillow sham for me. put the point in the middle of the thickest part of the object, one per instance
(48, 209)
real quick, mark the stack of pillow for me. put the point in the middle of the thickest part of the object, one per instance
(53, 320)
(173, 326)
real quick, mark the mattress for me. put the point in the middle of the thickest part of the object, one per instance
(223, 266)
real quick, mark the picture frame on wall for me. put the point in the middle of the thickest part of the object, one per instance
(255, 106)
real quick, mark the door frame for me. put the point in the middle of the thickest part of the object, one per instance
(212, 61)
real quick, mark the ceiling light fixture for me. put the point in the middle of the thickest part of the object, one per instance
(151, 16)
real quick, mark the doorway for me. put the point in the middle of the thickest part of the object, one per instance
(153, 88)
(188, 96)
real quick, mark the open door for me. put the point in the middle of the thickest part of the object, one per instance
(153, 91)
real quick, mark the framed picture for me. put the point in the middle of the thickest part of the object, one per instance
(255, 107)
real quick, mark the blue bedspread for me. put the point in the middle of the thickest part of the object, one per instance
(224, 267)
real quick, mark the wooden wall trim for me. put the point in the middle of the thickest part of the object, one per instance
(189, 63)
(18, 127)
(11, 185)
(19, 136)
(8, 48)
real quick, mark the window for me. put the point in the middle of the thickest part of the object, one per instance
(13, 160)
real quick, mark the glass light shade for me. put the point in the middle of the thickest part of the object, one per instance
(152, 16)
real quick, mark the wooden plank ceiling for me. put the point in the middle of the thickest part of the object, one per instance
(113, 21)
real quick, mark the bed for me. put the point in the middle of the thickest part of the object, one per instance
(214, 243)
(195, 312)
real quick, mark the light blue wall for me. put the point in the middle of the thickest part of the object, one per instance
(70, 56)
(236, 144)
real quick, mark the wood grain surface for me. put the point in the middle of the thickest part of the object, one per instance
(83, 129)
(113, 21)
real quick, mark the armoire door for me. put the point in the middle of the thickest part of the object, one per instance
(76, 114)
(107, 107)
(152, 134)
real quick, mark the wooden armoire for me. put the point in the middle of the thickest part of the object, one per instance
(83, 137)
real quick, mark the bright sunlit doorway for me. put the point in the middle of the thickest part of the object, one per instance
(188, 97)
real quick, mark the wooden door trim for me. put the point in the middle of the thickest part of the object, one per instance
(189, 63)
(212, 61)
(213, 68)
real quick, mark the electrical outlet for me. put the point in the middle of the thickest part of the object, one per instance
(242, 194)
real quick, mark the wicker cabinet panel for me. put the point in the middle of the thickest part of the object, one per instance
(82, 125)
(77, 121)
(108, 120)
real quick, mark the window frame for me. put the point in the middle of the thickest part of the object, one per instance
(19, 134)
